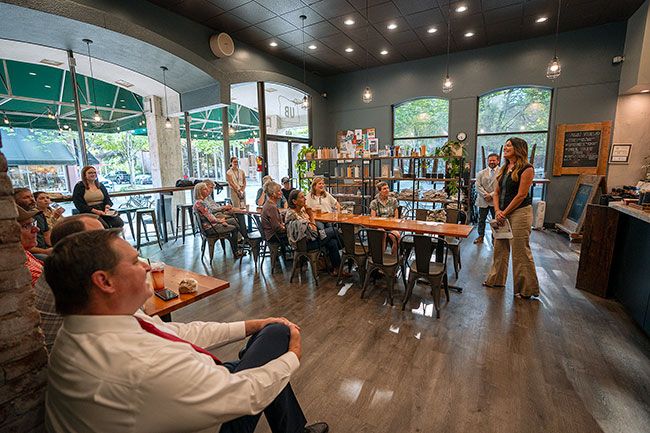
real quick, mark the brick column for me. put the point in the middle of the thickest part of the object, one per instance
(23, 359)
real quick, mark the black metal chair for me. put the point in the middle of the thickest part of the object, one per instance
(455, 216)
(274, 245)
(209, 239)
(422, 267)
(379, 260)
(406, 243)
(352, 251)
(301, 252)
(253, 240)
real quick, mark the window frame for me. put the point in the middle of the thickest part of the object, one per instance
(426, 137)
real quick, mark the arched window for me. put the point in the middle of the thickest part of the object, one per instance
(422, 121)
(523, 112)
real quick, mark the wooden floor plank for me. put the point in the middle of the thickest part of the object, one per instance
(568, 362)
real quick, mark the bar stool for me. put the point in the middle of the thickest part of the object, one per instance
(140, 221)
(129, 212)
(181, 210)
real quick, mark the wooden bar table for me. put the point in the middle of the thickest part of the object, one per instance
(206, 286)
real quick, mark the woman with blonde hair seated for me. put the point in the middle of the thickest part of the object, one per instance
(319, 199)
(212, 225)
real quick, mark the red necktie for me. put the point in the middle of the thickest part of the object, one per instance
(149, 327)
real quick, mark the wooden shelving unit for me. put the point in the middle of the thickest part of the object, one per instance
(362, 188)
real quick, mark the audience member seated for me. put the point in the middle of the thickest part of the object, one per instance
(28, 231)
(25, 199)
(300, 223)
(44, 204)
(286, 188)
(321, 200)
(44, 302)
(212, 225)
(272, 223)
(385, 206)
(224, 211)
(90, 196)
(114, 369)
(260, 198)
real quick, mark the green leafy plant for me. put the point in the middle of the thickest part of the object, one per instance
(303, 166)
(450, 153)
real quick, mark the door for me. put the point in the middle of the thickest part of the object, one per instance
(282, 157)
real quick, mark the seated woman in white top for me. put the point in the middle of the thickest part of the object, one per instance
(321, 200)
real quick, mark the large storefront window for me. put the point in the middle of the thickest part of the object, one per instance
(244, 133)
(285, 115)
(523, 112)
(419, 122)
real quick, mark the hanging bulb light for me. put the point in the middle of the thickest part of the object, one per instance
(50, 115)
(11, 128)
(96, 116)
(305, 99)
(231, 131)
(366, 96)
(168, 122)
(447, 84)
(554, 67)
(5, 120)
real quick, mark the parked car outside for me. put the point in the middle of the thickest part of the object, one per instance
(143, 179)
(119, 176)
(107, 182)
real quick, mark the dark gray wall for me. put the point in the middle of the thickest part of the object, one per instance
(585, 92)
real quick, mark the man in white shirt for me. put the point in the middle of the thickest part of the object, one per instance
(485, 183)
(114, 369)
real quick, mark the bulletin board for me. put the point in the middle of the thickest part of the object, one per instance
(582, 148)
(357, 139)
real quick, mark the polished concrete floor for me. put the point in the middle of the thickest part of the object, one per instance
(568, 362)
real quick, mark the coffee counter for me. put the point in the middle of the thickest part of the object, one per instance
(630, 273)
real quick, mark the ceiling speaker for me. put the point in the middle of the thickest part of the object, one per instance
(222, 45)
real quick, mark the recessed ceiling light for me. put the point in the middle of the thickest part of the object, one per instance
(541, 19)
(51, 62)
(469, 34)
(32, 73)
(349, 49)
(273, 44)
(123, 83)
(462, 8)
(391, 26)
(383, 52)
(312, 47)
(432, 30)
(645, 91)
(47, 86)
(348, 22)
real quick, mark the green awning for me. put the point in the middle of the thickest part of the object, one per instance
(23, 148)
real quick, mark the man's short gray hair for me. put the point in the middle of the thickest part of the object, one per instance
(271, 188)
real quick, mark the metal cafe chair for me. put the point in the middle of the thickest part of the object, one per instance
(435, 273)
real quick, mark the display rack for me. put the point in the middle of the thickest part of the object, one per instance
(366, 172)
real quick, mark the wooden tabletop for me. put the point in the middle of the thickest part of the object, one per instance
(425, 227)
(207, 286)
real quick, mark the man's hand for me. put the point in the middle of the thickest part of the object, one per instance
(295, 344)
(227, 207)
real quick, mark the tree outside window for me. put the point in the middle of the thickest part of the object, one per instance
(422, 121)
(523, 112)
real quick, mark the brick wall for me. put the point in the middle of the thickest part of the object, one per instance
(23, 359)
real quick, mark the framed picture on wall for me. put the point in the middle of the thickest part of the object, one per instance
(620, 154)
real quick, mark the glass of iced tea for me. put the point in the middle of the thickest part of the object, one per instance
(158, 275)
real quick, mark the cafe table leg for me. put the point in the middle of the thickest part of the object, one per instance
(440, 254)
(163, 218)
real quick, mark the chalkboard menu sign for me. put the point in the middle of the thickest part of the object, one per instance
(579, 202)
(582, 148)
(587, 190)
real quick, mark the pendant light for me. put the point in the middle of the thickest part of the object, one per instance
(554, 67)
(447, 84)
(5, 119)
(305, 99)
(168, 123)
(367, 96)
(96, 116)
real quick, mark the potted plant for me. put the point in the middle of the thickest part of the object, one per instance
(304, 166)
(450, 153)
